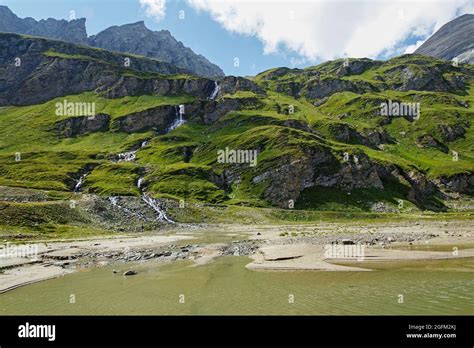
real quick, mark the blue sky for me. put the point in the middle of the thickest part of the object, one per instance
(266, 34)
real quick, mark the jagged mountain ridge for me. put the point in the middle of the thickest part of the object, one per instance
(454, 39)
(138, 39)
(132, 38)
(73, 31)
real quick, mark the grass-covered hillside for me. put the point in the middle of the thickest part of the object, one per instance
(321, 140)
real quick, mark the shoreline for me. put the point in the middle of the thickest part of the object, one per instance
(271, 248)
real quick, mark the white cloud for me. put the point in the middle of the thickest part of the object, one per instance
(325, 29)
(154, 8)
(412, 48)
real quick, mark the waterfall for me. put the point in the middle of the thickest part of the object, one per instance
(127, 156)
(179, 112)
(139, 183)
(215, 92)
(155, 205)
(130, 156)
(79, 183)
(114, 200)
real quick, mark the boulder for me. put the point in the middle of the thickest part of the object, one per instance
(129, 273)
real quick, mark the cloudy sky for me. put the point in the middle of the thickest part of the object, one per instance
(261, 34)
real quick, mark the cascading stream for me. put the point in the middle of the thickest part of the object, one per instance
(80, 182)
(215, 92)
(179, 112)
(153, 203)
(131, 156)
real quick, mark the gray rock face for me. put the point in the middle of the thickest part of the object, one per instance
(356, 67)
(404, 78)
(422, 189)
(428, 140)
(369, 137)
(233, 84)
(131, 86)
(451, 132)
(137, 39)
(73, 126)
(162, 117)
(462, 183)
(329, 86)
(159, 118)
(73, 31)
(315, 168)
(276, 73)
(453, 39)
(213, 110)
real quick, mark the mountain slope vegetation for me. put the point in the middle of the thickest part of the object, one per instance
(321, 140)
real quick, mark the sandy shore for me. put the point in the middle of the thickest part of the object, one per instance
(314, 257)
(52, 258)
(302, 247)
(316, 247)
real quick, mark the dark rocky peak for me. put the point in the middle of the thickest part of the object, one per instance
(136, 38)
(73, 31)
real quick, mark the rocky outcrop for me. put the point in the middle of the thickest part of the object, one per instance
(357, 172)
(317, 89)
(291, 88)
(355, 67)
(369, 137)
(422, 190)
(451, 132)
(404, 77)
(462, 183)
(343, 132)
(208, 112)
(73, 30)
(291, 176)
(318, 167)
(428, 141)
(82, 125)
(159, 118)
(375, 137)
(130, 86)
(162, 117)
(233, 84)
(50, 78)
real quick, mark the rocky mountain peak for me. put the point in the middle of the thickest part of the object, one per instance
(73, 31)
(138, 39)
(454, 39)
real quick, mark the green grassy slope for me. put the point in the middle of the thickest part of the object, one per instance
(284, 127)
